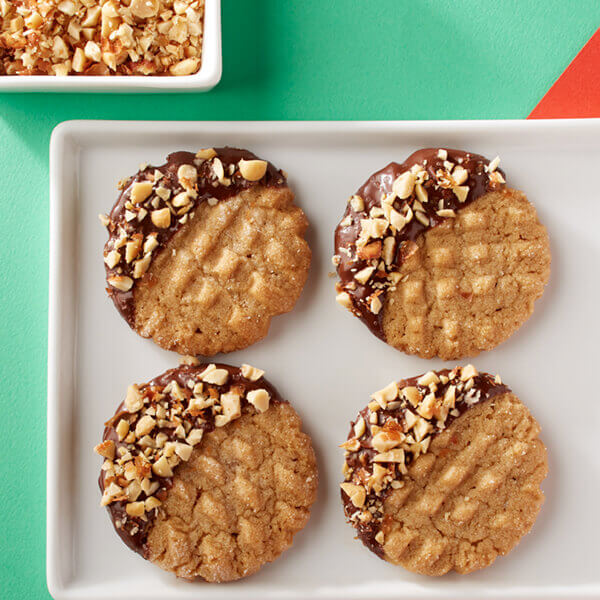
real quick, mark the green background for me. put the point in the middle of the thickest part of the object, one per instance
(310, 59)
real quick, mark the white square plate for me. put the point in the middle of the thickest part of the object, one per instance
(206, 78)
(322, 359)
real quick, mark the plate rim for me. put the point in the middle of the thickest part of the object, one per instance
(65, 134)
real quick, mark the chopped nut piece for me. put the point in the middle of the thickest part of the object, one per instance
(135, 509)
(357, 203)
(132, 249)
(253, 170)
(259, 399)
(222, 420)
(152, 503)
(230, 402)
(161, 467)
(144, 426)
(412, 394)
(112, 259)
(427, 407)
(181, 199)
(140, 191)
(122, 429)
(185, 67)
(404, 184)
(493, 164)
(194, 437)
(218, 170)
(372, 250)
(384, 441)
(141, 266)
(184, 451)
(372, 228)
(215, 376)
(144, 9)
(389, 247)
(397, 220)
(468, 372)
(450, 396)
(106, 449)
(364, 274)
(161, 218)
(206, 153)
(460, 175)
(251, 373)
(387, 394)
(344, 299)
(375, 305)
(429, 378)
(121, 282)
(422, 218)
(410, 419)
(133, 401)
(461, 192)
(394, 456)
(359, 427)
(352, 445)
(421, 193)
(496, 177)
(187, 176)
(421, 429)
(112, 492)
(356, 493)
(150, 244)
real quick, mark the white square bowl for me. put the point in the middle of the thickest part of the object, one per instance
(323, 360)
(206, 78)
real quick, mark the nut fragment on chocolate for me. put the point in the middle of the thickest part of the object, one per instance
(388, 213)
(79, 37)
(396, 428)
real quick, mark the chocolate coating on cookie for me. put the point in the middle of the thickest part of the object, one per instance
(157, 202)
(156, 428)
(388, 213)
(396, 428)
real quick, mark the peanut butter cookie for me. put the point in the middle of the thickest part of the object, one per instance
(438, 257)
(207, 472)
(204, 250)
(443, 472)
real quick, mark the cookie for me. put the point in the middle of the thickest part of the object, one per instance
(207, 472)
(439, 257)
(442, 472)
(204, 250)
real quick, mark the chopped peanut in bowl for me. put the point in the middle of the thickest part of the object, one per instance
(101, 37)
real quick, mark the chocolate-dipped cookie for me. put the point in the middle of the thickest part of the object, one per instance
(439, 257)
(204, 250)
(207, 472)
(442, 472)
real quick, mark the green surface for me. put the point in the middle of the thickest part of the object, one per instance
(378, 59)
